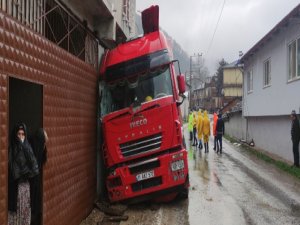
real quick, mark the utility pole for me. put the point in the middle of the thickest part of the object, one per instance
(198, 55)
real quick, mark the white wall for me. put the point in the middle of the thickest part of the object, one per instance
(272, 134)
(236, 126)
(282, 96)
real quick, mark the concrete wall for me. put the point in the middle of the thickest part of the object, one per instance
(236, 126)
(272, 133)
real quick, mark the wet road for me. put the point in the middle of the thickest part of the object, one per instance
(232, 188)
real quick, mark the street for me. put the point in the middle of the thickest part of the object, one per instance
(232, 188)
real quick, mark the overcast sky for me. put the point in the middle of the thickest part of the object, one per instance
(192, 24)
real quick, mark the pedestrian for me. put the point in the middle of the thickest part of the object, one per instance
(206, 131)
(200, 128)
(295, 135)
(22, 167)
(215, 119)
(36, 185)
(220, 130)
(195, 142)
(190, 125)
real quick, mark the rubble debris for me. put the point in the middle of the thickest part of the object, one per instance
(116, 218)
(112, 210)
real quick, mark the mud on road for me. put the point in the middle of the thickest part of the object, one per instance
(147, 213)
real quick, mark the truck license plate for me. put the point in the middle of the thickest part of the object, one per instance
(177, 165)
(145, 175)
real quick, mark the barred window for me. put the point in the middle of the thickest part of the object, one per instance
(53, 21)
(28, 12)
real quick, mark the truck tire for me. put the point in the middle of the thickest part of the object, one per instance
(183, 141)
(184, 194)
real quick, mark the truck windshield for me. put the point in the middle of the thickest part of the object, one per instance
(120, 94)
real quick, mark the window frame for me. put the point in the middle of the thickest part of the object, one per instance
(250, 81)
(267, 75)
(294, 65)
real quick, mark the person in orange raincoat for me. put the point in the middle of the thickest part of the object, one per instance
(200, 128)
(215, 120)
(206, 131)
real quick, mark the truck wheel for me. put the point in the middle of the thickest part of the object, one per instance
(184, 194)
(183, 141)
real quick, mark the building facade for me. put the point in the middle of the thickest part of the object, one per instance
(49, 53)
(232, 82)
(271, 86)
(206, 97)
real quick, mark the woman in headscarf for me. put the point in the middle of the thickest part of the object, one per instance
(36, 186)
(22, 167)
(206, 131)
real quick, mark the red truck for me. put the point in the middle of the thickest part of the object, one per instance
(143, 146)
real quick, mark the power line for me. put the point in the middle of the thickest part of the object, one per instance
(211, 41)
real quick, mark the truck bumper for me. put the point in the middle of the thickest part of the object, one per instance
(150, 178)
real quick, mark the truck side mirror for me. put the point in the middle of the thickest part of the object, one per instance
(181, 83)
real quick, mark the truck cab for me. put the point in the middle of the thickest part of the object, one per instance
(141, 122)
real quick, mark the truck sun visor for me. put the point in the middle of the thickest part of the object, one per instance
(137, 65)
(150, 19)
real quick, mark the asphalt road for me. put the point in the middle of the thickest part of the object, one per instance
(228, 189)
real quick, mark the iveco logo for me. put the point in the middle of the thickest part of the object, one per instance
(138, 123)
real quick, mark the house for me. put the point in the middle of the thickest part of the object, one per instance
(205, 97)
(49, 53)
(271, 86)
(232, 82)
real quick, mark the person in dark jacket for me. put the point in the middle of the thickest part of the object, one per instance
(295, 135)
(220, 130)
(36, 185)
(22, 167)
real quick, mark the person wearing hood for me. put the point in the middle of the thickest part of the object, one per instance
(195, 142)
(200, 128)
(220, 129)
(190, 126)
(36, 186)
(206, 131)
(295, 136)
(215, 119)
(22, 167)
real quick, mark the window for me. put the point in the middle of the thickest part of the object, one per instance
(126, 10)
(294, 59)
(57, 24)
(249, 81)
(267, 73)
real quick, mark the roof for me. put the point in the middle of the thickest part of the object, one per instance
(233, 65)
(283, 23)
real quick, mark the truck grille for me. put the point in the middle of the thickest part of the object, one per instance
(142, 185)
(144, 166)
(136, 147)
